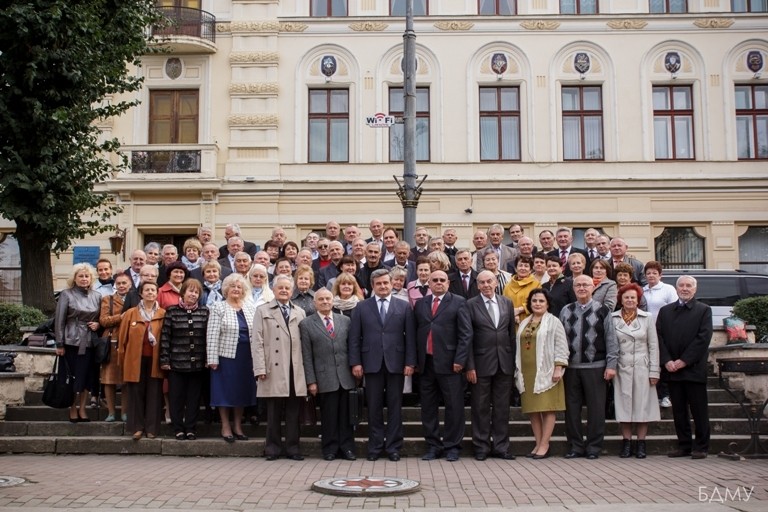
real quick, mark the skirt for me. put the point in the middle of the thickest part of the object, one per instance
(110, 372)
(82, 367)
(233, 383)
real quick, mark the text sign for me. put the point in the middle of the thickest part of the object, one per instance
(380, 120)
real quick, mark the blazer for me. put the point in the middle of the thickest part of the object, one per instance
(110, 319)
(410, 269)
(491, 348)
(248, 247)
(414, 293)
(457, 287)
(130, 344)
(450, 337)
(684, 332)
(325, 357)
(276, 349)
(224, 330)
(374, 344)
(567, 270)
(606, 293)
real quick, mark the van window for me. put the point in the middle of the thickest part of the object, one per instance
(718, 290)
(756, 286)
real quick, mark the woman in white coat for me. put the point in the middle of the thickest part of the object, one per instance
(638, 370)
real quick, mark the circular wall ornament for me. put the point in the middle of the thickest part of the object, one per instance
(366, 486)
(173, 68)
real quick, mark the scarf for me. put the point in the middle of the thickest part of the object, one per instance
(105, 282)
(256, 294)
(147, 316)
(214, 293)
(183, 305)
(345, 304)
(189, 264)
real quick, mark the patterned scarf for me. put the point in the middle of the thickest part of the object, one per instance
(147, 316)
(214, 293)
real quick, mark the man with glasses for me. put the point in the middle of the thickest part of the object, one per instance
(442, 343)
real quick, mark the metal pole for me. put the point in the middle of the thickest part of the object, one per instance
(410, 195)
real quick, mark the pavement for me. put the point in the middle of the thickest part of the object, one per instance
(609, 484)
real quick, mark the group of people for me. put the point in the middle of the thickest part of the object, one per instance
(233, 326)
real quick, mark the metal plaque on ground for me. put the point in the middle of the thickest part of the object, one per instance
(366, 486)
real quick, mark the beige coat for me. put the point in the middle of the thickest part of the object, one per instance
(275, 348)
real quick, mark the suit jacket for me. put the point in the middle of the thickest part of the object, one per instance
(224, 262)
(457, 287)
(410, 268)
(567, 270)
(374, 344)
(684, 332)
(507, 254)
(637, 270)
(325, 357)
(450, 338)
(492, 349)
(415, 254)
(326, 274)
(249, 247)
(276, 348)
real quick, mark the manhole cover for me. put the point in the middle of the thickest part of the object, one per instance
(366, 486)
(10, 481)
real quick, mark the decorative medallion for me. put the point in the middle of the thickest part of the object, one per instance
(755, 61)
(328, 65)
(290, 26)
(173, 68)
(540, 25)
(581, 62)
(627, 24)
(454, 25)
(499, 63)
(366, 486)
(672, 62)
(713, 23)
(368, 26)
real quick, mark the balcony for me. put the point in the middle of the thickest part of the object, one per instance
(169, 161)
(187, 31)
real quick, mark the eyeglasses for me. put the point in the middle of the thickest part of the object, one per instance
(322, 246)
(439, 280)
(582, 285)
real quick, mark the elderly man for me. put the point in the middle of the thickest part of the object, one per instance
(210, 253)
(490, 367)
(332, 230)
(336, 252)
(234, 246)
(565, 248)
(278, 236)
(590, 241)
(421, 237)
(685, 330)
(525, 247)
(376, 227)
(231, 230)
(372, 263)
(479, 241)
(169, 254)
(463, 278)
(351, 233)
(592, 363)
(619, 255)
(401, 261)
(515, 232)
(310, 242)
(547, 240)
(449, 241)
(603, 247)
(205, 234)
(504, 253)
(138, 260)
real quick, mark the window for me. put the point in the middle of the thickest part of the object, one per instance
(397, 132)
(582, 123)
(499, 123)
(752, 254)
(10, 269)
(749, 6)
(492, 7)
(668, 6)
(673, 123)
(397, 7)
(173, 116)
(328, 125)
(578, 6)
(328, 8)
(752, 121)
(680, 248)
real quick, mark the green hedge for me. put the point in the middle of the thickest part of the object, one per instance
(755, 311)
(15, 316)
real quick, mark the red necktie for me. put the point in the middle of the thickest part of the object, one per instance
(563, 257)
(329, 326)
(435, 305)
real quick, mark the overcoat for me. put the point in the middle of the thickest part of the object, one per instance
(276, 349)
(131, 340)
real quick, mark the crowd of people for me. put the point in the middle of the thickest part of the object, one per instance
(249, 331)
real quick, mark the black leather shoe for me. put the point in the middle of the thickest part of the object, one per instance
(372, 457)
(640, 453)
(626, 449)
(295, 456)
(271, 457)
(573, 455)
(592, 456)
(241, 437)
(504, 456)
(530, 455)
(452, 456)
(329, 457)
(229, 439)
(679, 453)
(481, 456)
(394, 456)
(536, 456)
(698, 455)
(349, 455)
(432, 455)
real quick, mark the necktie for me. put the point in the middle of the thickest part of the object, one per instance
(435, 305)
(136, 280)
(465, 281)
(563, 257)
(286, 312)
(329, 326)
(591, 254)
(492, 314)
(383, 310)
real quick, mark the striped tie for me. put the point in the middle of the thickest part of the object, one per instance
(329, 326)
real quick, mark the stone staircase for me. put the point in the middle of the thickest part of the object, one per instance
(35, 428)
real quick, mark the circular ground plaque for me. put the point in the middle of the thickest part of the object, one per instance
(366, 486)
(10, 481)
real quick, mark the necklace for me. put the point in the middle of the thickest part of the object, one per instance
(531, 330)
(628, 317)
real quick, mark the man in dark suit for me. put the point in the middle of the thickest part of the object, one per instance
(234, 246)
(421, 237)
(685, 330)
(210, 252)
(490, 367)
(372, 264)
(382, 347)
(464, 279)
(442, 343)
(336, 252)
(402, 251)
(619, 255)
(565, 248)
(323, 349)
(234, 230)
(503, 252)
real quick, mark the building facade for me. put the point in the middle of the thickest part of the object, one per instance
(647, 119)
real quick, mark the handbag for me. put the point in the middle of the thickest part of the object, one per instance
(308, 412)
(356, 399)
(58, 391)
(6, 362)
(102, 346)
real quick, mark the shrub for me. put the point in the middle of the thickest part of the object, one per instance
(755, 311)
(15, 316)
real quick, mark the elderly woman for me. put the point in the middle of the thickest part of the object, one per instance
(279, 366)
(605, 287)
(139, 358)
(303, 294)
(540, 267)
(559, 287)
(398, 277)
(75, 323)
(289, 251)
(346, 294)
(491, 263)
(520, 286)
(283, 266)
(260, 292)
(623, 274)
(109, 319)
(191, 253)
(230, 326)
(541, 359)
(438, 260)
(637, 372)
(211, 271)
(182, 355)
(168, 294)
(576, 264)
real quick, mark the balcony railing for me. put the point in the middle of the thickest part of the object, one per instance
(185, 21)
(155, 162)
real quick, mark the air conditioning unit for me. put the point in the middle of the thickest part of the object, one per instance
(185, 161)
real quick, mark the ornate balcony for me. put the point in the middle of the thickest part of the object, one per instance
(188, 30)
(171, 159)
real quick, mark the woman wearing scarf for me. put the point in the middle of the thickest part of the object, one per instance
(191, 254)
(182, 355)
(521, 284)
(259, 280)
(211, 271)
(139, 357)
(109, 319)
(605, 291)
(105, 284)
(346, 294)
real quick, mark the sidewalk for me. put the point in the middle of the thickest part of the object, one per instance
(609, 484)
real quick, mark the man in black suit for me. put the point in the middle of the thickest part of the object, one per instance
(401, 261)
(449, 242)
(382, 347)
(490, 367)
(421, 237)
(336, 252)
(685, 330)
(565, 248)
(442, 343)
(464, 279)
(210, 252)
(169, 254)
(234, 246)
(234, 230)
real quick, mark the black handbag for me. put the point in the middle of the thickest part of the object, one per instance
(59, 390)
(102, 346)
(356, 399)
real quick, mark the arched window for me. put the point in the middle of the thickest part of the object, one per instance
(753, 250)
(10, 269)
(680, 248)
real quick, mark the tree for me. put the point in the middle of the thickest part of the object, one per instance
(62, 64)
